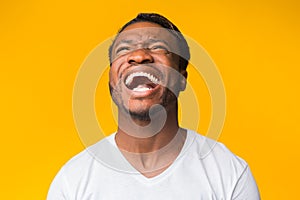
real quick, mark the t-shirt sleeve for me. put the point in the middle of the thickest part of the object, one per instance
(246, 188)
(58, 189)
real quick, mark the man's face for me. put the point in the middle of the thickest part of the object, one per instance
(144, 69)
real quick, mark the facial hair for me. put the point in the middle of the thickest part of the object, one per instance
(167, 98)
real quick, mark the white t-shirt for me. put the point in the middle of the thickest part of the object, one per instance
(204, 170)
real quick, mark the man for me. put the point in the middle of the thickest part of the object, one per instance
(150, 156)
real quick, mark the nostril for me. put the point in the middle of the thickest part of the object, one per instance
(144, 61)
(140, 56)
(132, 61)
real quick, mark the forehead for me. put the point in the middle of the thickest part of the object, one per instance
(142, 32)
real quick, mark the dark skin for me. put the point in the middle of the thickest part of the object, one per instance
(153, 154)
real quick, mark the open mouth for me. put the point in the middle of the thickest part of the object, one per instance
(141, 81)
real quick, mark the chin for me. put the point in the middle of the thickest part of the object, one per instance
(135, 110)
(142, 116)
(139, 111)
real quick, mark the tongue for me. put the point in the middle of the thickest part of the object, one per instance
(141, 83)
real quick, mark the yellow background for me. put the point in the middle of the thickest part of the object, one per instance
(255, 45)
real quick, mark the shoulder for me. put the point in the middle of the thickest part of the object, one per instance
(75, 174)
(213, 153)
(60, 187)
(79, 161)
(90, 156)
(223, 169)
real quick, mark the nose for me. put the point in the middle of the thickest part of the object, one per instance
(140, 56)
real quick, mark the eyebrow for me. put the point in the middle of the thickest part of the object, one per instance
(156, 41)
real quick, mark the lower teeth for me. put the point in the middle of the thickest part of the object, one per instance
(142, 89)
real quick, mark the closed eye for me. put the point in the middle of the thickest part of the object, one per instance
(159, 48)
(122, 50)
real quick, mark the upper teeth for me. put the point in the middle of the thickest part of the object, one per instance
(144, 74)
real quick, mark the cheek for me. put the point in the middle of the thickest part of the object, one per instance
(175, 61)
(114, 72)
(169, 61)
(116, 67)
(112, 76)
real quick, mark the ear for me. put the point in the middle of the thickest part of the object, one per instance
(183, 79)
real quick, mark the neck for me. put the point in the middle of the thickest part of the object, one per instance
(140, 136)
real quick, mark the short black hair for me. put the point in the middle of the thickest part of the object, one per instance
(165, 23)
